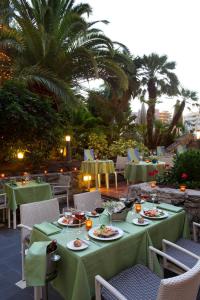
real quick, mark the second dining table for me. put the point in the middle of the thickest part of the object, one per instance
(141, 172)
(19, 193)
(77, 269)
(98, 167)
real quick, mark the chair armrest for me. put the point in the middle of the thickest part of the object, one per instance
(99, 281)
(196, 227)
(3, 194)
(21, 226)
(153, 251)
(166, 242)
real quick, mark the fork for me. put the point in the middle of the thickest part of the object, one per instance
(89, 239)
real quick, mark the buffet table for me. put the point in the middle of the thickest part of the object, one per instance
(98, 167)
(77, 269)
(31, 191)
(141, 172)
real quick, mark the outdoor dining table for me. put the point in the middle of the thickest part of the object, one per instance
(20, 193)
(141, 172)
(97, 167)
(77, 269)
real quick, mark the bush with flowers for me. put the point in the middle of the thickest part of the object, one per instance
(185, 171)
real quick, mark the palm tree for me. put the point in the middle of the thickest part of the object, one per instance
(58, 49)
(157, 78)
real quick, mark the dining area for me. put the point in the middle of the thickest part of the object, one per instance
(97, 239)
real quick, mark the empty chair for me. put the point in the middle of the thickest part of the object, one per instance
(34, 213)
(87, 201)
(161, 150)
(179, 250)
(133, 155)
(4, 207)
(140, 283)
(119, 167)
(88, 154)
(62, 187)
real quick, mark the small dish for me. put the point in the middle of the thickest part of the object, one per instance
(70, 245)
(89, 214)
(146, 222)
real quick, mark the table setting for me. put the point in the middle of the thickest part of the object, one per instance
(111, 240)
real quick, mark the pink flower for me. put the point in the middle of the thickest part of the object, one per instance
(184, 176)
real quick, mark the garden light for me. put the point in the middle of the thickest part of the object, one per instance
(20, 155)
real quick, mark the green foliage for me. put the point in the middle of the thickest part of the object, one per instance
(99, 143)
(185, 170)
(27, 122)
(120, 147)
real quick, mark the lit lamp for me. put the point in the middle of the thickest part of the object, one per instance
(182, 188)
(68, 150)
(153, 184)
(2, 175)
(87, 179)
(88, 224)
(20, 155)
(198, 134)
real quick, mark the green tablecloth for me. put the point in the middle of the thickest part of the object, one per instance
(97, 167)
(30, 192)
(77, 269)
(36, 256)
(140, 172)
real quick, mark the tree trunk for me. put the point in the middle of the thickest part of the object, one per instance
(151, 112)
(172, 127)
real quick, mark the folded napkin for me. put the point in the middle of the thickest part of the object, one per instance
(35, 264)
(47, 228)
(170, 207)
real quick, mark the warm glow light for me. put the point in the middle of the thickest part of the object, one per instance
(75, 169)
(153, 184)
(68, 138)
(88, 224)
(182, 188)
(61, 170)
(2, 175)
(45, 171)
(61, 151)
(198, 134)
(86, 178)
(20, 155)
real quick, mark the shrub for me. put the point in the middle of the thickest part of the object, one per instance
(185, 170)
(99, 143)
(120, 147)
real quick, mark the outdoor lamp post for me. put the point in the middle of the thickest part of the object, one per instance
(68, 150)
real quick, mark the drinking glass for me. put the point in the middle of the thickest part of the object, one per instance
(153, 198)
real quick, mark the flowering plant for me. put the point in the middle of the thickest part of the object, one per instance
(184, 176)
(153, 173)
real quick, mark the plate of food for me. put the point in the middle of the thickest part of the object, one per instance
(92, 214)
(141, 221)
(154, 213)
(77, 245)
(71, 221)
(106, 233)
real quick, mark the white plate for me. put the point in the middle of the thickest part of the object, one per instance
(89, 214)
(146, 222)
(165, 215)
(115, 237)
(60, 221)
(71, 246)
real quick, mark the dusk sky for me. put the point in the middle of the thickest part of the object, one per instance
(165, 27)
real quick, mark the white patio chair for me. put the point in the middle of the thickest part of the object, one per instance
(140, 283)
(87, 201)
(4, 207)
(180, 249)
(61, 188)
(133, 155)
(119, 167)
(34, 213)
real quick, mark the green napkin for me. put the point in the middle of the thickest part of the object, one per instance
(47, 228)
(35, 264)
(170, 207)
